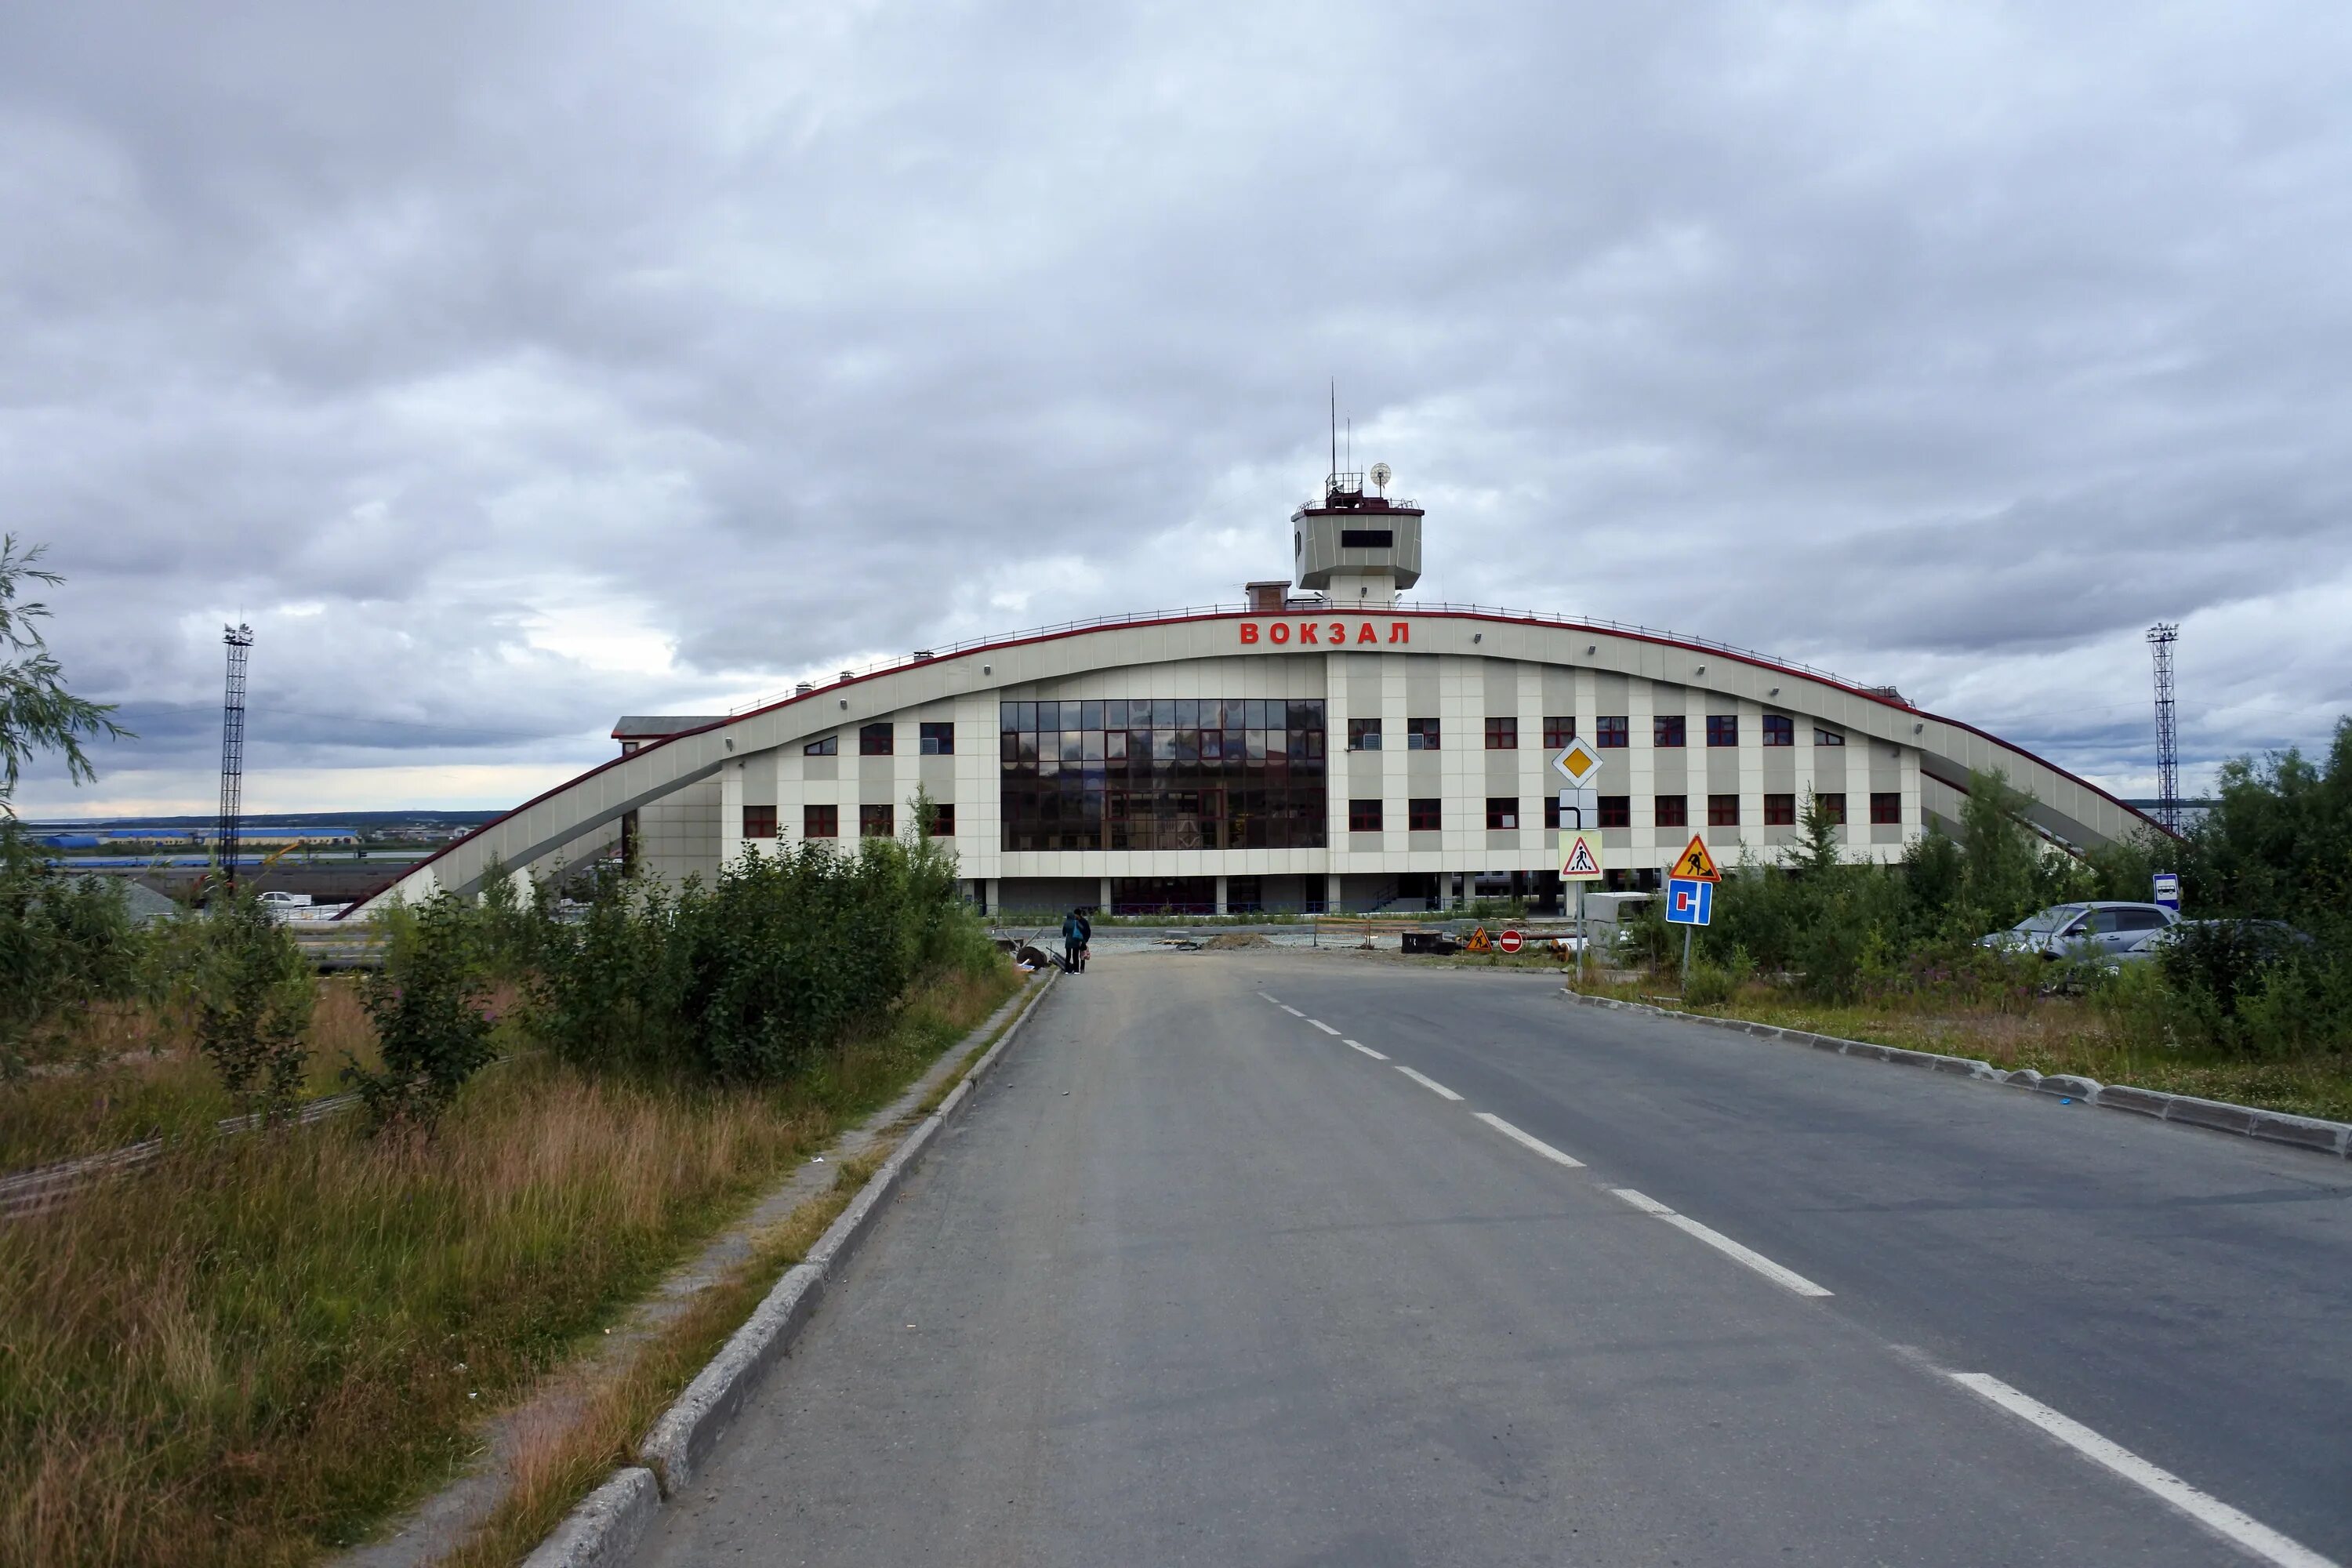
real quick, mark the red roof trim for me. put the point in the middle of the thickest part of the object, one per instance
(1660, 641)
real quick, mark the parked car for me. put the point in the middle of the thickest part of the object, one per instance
(2083, 931)
(2268, 939)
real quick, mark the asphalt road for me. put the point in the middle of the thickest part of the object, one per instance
(1196, 1281)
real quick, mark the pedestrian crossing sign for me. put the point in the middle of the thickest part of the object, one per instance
(1580, 857)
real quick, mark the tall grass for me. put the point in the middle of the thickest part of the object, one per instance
(263, 1345)
(129, 1070)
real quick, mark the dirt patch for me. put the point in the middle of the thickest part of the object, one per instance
(1232, 938)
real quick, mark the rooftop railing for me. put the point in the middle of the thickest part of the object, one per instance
(1403, 607)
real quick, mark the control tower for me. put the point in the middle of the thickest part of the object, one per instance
(1357, 546)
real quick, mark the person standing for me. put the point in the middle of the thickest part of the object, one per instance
(1086, 940)
(1073, 940)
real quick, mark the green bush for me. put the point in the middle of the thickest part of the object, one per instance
(65, 941)
(427, 1004)
(791, 947)
(254, 994)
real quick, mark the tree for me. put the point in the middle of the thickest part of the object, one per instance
(37, 712)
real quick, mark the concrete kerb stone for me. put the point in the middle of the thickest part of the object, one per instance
(606, 1527)
(2219, 1116)
(609, 1523)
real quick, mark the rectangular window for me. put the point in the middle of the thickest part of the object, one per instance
(938, 740)
(1552, 813)
(1723, 811)
(1424, 816)
(1827, 738)
(1363, 817)
(1164, 774)
(943, 821)
(1558, 731)
(758, 822)
(1885, 806)
(877, 740)
(820, 822)
(829, 746)
(1780, 810)
(1368, 538)
(1669, 730)
(874, 822)
(1780, 730)
(1421, 734)
(1723, 728)
(1833, 808)
(1611, 731)
(1616, 811)
(1363, 734)
(1502, 734)
(1502, 812)
(1672, 811)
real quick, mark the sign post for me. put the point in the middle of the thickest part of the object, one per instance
(1580, 830)
(1690, 897)
(1690, 904)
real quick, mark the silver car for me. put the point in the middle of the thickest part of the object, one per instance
(2083, 931)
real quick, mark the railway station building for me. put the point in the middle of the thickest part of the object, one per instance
(1328, 743)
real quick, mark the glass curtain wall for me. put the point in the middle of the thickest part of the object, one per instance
(1167, 774)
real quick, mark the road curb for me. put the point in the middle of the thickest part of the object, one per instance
(610, 1521)
(2331, 1138)
(606, 1528)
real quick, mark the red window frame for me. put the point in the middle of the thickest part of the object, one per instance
(1558, 731)
(1723, 728)
(877, 822)
(758, 822)
(1363, 817)
(1885, 807)
(1426, 815)
(1669, 730)
(1616, 810)
(820, 822)
(1609, 731)
(1670, 811)
(1723, 811)
(1502, 734)
(1780, 811)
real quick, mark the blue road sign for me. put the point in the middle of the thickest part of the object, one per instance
(2168, 890)
(1689, 903)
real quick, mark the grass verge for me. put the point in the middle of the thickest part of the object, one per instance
(2053, 1035)
(261, 1347)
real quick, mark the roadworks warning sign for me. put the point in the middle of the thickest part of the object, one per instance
(1696, 864)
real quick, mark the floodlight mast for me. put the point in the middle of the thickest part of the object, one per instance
(2160, 639)
(239, 641)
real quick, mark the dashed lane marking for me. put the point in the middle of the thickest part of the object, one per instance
(1363, 1047)
(1787, 1278)
(1290, 1009)
(1529, 1140)
(2210, 1511)
(1322, 1026)
(1428, 1083)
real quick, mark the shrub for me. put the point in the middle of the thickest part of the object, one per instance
(432, 1030)
(253, 995)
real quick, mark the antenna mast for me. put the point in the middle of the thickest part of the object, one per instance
(238, 638)
(1334, 469)
(2160, 639)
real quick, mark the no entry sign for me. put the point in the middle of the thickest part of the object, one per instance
(1510, 942)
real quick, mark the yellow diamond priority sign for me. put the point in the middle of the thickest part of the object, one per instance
(1579, 764)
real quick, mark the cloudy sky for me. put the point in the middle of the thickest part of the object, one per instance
(513, 367)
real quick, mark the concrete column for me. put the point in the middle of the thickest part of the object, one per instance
(1102, 901)
(992, 897)
(1331, 893)
(1222, 907)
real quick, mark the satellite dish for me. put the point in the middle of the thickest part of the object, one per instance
(1380, 475)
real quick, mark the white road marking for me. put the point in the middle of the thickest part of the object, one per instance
(1275, 1000)
(1529, 1140)
(1430, 1084)
(1363, 1047)
(1290, 1009)
(1322, 1026)
(1787, 1278)
(2210, 1511)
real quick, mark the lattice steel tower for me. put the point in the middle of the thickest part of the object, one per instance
(239, 638)
(2160, 639)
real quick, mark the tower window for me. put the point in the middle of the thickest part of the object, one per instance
(1368, 538)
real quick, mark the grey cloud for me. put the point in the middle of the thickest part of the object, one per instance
(1907, 340)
